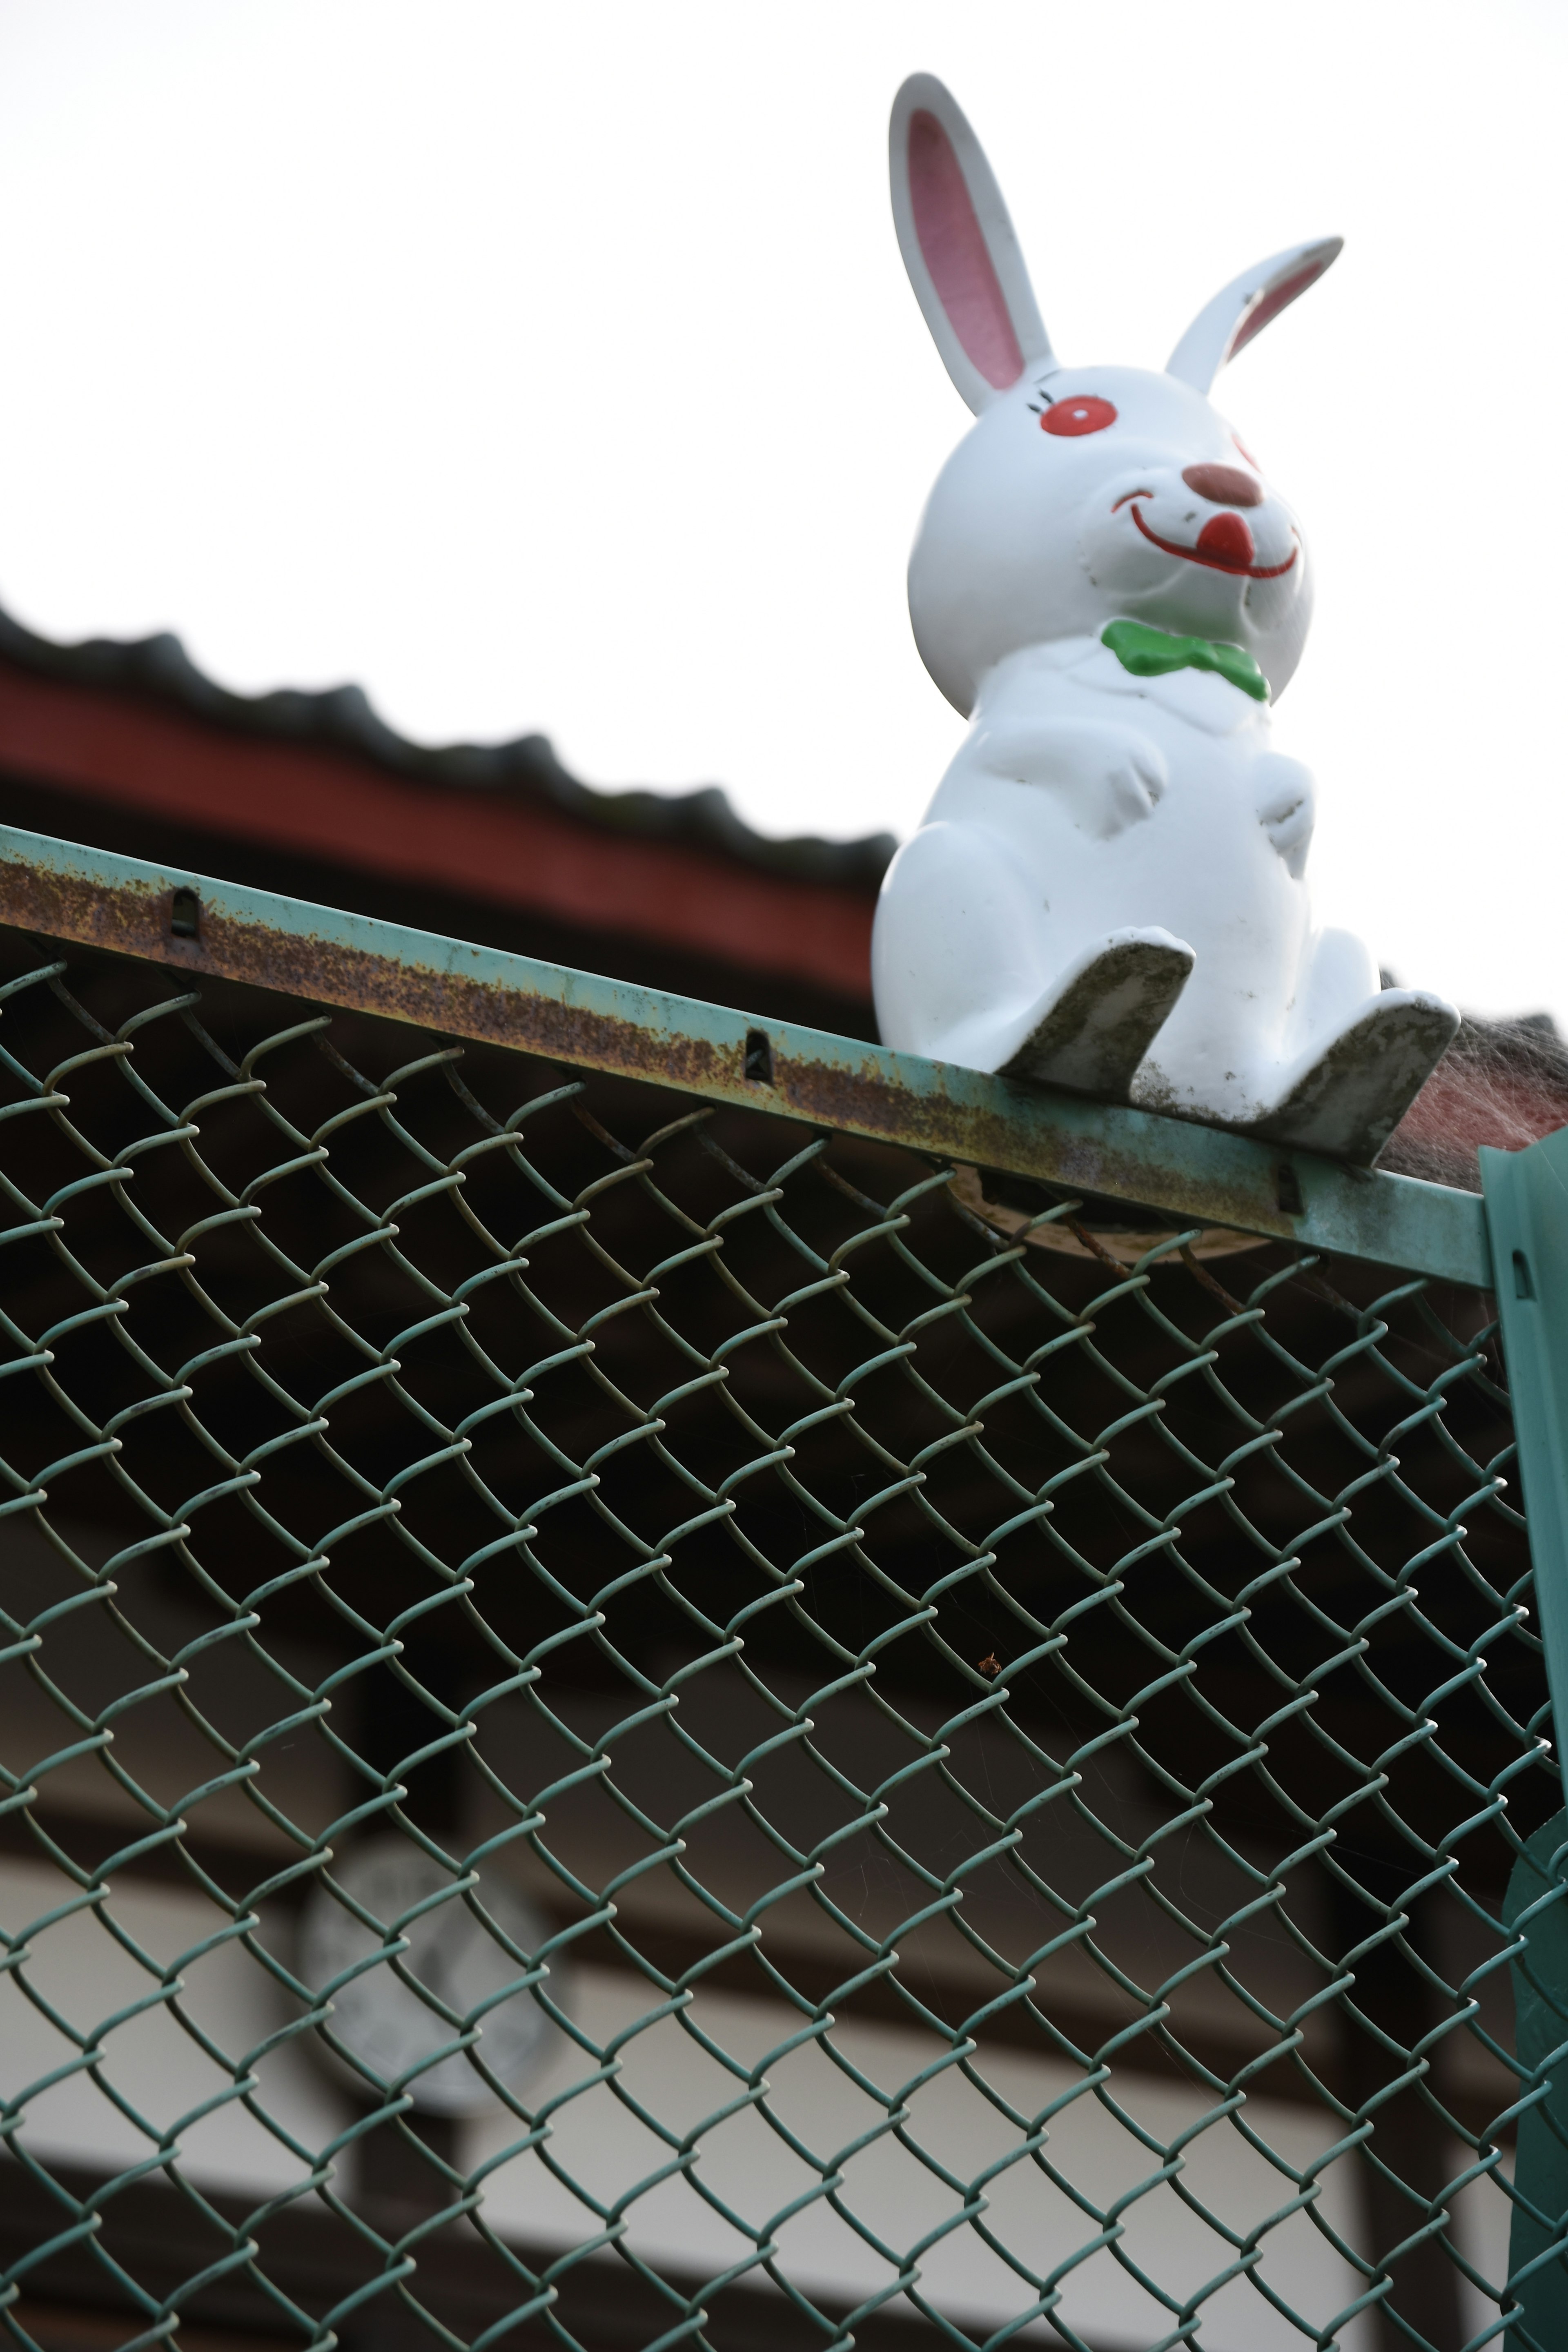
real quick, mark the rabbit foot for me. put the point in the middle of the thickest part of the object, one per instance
(1102, 1015)
(1347, 1097)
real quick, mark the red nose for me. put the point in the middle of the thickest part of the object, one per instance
(1222, 485)
(1225, 541)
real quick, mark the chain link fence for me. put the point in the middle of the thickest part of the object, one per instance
(627, 1721)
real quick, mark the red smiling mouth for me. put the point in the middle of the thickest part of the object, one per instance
(1216, 557)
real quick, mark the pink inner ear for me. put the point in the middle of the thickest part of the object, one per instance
(1279, 299)
(954, 250)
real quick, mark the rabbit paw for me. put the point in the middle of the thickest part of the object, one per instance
(1286, 801)
(1347, 1092)
(1094, 1024)
(1108, 777)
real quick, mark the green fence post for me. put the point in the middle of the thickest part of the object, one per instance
(1540, 2041)
(1527, 1210)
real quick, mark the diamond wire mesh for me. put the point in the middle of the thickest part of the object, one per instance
(1014, 1759)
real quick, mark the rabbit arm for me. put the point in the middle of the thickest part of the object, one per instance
(1108, 777)
(1286, 800)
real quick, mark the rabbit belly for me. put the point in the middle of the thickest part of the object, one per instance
(1081, 826)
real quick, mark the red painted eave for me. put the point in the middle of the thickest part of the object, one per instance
(507, 851)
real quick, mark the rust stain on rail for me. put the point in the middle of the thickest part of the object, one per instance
(310, 964)
(140, 921)
(993, 1135)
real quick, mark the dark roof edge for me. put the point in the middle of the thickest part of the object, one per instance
(341, 718)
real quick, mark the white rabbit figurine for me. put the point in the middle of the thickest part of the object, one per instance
(1106, 890)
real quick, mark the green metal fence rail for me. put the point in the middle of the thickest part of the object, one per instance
(668, 1680)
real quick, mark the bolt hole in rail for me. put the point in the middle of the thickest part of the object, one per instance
(671, 1679)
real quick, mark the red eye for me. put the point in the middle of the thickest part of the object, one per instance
(1074, 416)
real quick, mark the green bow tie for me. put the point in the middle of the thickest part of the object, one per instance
(1150, 652)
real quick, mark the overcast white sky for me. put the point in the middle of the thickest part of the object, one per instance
(553, 367)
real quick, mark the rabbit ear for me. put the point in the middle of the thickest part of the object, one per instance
(959, 247)
(1245, 309)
